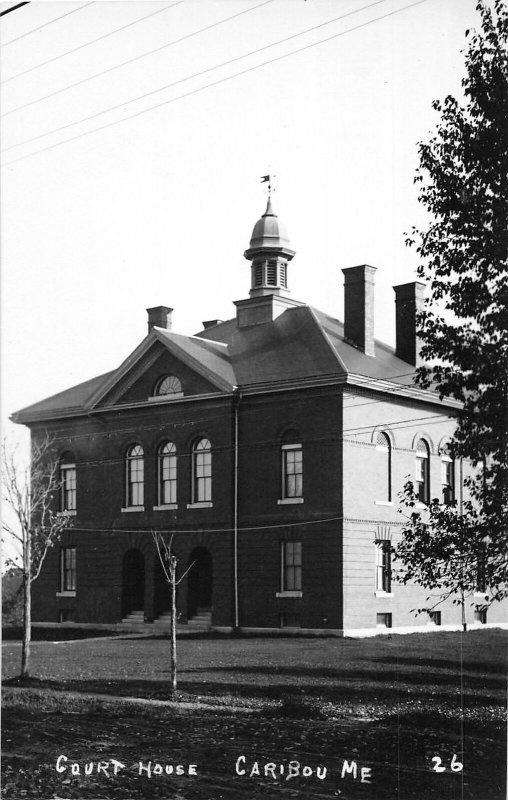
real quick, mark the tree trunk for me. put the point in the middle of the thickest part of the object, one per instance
(172, 575)
(27, 610)
(463, 608)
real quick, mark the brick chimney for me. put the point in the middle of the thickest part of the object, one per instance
(359, 307)
(160, 316)
(408, 302)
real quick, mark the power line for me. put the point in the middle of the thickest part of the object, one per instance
(187, 78)
(136, 58)
(13, 8)
(210, 85)
(204, 530)
(44, 25)
(93, 41)
(200, 425)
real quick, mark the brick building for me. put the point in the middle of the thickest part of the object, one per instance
(272, 445)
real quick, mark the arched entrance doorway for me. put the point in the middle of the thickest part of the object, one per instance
(133, 582)
(199, 582)
(161, 589)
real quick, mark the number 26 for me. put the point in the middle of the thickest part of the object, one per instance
(455, 765)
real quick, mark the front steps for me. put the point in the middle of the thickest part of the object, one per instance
(135, 621)
(201, 621)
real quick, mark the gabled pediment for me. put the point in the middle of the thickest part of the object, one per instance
(185, 365)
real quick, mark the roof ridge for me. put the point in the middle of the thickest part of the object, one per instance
(327, 338)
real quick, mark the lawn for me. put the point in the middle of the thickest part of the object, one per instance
(390, 705)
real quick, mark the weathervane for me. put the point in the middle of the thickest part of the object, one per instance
(268, 179)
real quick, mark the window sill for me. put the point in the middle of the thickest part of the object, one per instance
(132, 509)
(384, 594)
(66, 594)
(205, 504)
(288, 594)
(484, 595)
(383, 503)
(166, 507)
(421, 505)
(289, 501)
(161, 398)
(67, 513)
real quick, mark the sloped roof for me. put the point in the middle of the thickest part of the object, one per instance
(67, 402)
(212, 356)
(301, 344)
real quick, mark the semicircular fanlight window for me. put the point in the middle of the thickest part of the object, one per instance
(168, 385)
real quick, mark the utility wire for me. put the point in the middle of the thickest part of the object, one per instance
(169, 429)
(87, 44)
(13, 8)
(136, 58)
(44, 25)
(210, 85)
(205, 530)
(187, 78)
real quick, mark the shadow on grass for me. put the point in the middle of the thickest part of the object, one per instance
(426, 676)
(497, 668)
(241, 692)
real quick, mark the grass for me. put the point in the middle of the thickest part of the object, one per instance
(389, 704)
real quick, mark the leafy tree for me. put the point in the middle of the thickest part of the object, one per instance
(463, 177)
(441, 551)
(31, 521)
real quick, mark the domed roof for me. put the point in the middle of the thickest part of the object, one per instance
(269, 231)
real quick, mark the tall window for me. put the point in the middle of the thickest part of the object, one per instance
(202, 472)
(291, 566)
(135, 468)
(383, 567)
(384, 463)
(422, 471)
(447, 483)
(292, 471)
(481, 572)
(68, 569)
(167, 473)
(68, 483)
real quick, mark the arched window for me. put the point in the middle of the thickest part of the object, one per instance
(166, 470)
(167, 385)
(67, 482)
(384, 465)
(422, 471)
(135, 476)
(202, 472)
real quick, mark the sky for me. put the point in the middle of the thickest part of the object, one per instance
(131, 185)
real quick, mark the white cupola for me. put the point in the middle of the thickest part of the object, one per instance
(269, 253)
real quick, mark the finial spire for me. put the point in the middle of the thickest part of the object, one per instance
(268, 179)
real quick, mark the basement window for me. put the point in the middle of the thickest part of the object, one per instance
(290, 621)
(435, 617)
(480, 615)
(383, 620)
(66, 615)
